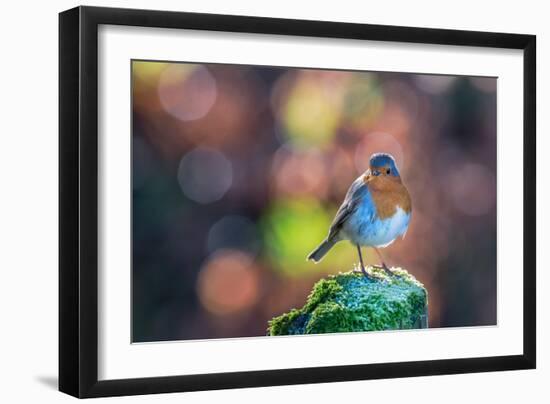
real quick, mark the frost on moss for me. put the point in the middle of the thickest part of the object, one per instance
(350, 302)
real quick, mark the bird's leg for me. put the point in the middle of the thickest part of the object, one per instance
(362, 264)
(383, 264)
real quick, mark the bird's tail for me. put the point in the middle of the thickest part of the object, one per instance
(318, 254)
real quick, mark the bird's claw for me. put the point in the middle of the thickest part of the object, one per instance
(362, 270)
(388, 271)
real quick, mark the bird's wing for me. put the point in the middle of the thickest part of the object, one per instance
(354, 195)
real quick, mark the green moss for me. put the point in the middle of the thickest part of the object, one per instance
(290, 323)
(349, 302)
(323, 291)
(329, 317)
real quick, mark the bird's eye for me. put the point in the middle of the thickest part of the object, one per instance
(388, 171)
(375, 172)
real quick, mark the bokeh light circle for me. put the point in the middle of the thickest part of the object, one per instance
(234, 232)
(299, 172)
(187, 92)
(473, 189)
(308, 106)
(228, 283)
(434, 84)
(205, 175)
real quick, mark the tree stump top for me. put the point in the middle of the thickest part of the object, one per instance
(350, 302)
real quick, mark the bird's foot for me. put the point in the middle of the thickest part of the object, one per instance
(362, 270)
(388, 271)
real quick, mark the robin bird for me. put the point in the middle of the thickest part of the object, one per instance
(376, 211)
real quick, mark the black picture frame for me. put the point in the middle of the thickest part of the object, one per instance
(78, 200)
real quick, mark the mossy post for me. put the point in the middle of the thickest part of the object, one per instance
(350, 302)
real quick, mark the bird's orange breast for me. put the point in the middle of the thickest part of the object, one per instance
(388, 193)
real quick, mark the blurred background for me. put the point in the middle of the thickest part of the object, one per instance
(239, 170)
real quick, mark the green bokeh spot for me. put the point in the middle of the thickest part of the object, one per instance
(292, 228)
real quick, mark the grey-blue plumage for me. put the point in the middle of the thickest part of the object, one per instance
(323, 248)
(353, 196)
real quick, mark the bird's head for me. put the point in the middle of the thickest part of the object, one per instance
(383, 165)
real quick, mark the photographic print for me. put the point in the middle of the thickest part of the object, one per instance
(272, 201)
